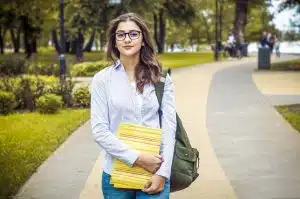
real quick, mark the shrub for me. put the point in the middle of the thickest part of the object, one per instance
(31, 88)
(49, 103)
(42, 69)
(7, 102)
(81, 97)
(51, 84)
(12, 65)
(65, 89)
(87, 68)
(27, 88)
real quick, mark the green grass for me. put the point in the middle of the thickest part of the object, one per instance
(27, 139)
(52, 57)
(292, 114)
(172, 60)
(176, 60)
(288, 65)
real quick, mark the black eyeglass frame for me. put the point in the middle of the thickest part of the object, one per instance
(128, 33)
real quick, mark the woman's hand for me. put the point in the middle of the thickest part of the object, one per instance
(155, 185)
(149, 162)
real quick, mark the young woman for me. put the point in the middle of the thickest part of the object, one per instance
(125, 92)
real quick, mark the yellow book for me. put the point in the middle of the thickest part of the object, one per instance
(139, 138)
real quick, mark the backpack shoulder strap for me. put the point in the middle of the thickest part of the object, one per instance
(159, 90)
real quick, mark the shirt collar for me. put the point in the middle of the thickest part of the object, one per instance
(117, 64)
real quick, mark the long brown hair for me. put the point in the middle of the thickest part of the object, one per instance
(148, 69)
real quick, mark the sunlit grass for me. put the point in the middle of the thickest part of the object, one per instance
(288, 65)
(292, 114)
(27, 139)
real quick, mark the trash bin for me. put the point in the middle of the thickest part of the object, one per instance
(264, 58)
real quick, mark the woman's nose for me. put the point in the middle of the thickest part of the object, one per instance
(127, 39)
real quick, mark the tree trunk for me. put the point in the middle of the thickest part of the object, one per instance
(55, 41)
(240, 20)
(221, 14)
(15, 40)
(162, 31)
(67, 42)
(102, 41)
(155, 29)
(159, 30)
(34, 45)
(79, 47)
(68, 46)
(89, 45)
(1, 42)
(216, 52)
(26, 36)
(73, 47)
(18, 41)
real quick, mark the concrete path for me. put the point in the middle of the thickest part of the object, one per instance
(281, 87)
(258, 149)
(247, 150)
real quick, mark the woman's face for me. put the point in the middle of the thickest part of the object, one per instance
(128, 38)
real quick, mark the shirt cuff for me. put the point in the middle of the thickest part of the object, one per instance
(162, 172)
(131, 157)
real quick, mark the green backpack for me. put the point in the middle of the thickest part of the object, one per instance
(186, 158)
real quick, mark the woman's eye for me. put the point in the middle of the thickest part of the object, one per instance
(120, 35)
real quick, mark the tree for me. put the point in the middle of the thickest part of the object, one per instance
(292, 4)
(240, 20)
(181, 11)
(241, 16)
(26, 16)
(258, 20)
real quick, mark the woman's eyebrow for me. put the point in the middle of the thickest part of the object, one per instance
(128, 31)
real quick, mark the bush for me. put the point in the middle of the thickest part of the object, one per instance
(27, 88)
(49, 103)
(12, 65)
(7, 102)
(65, 90)
(31, 88)
(81, 97)
(41, 69)
(87, 68)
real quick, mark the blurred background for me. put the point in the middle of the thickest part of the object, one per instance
(33, 26)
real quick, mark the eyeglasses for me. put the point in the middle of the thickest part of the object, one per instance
(134, 34)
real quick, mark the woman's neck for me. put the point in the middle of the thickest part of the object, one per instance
(129, 64)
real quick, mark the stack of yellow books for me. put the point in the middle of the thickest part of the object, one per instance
(139, 138)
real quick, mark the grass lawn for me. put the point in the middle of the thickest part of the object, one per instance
(52, 57)
(27, 139)
(176, 60)
(172, 60)
(292, 114)
(288, 65)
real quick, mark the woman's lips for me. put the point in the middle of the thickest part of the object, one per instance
(128, 47)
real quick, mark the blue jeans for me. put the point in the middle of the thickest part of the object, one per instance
(109, 192)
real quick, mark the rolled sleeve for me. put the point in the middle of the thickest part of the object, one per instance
(168, 128)
(100, 125)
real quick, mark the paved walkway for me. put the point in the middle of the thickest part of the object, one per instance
(247, 150)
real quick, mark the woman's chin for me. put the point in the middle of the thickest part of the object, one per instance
(129, 53)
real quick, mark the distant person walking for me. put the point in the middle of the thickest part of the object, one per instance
(264, 39)
(277, 45)
(231, 43)
(271, 41)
